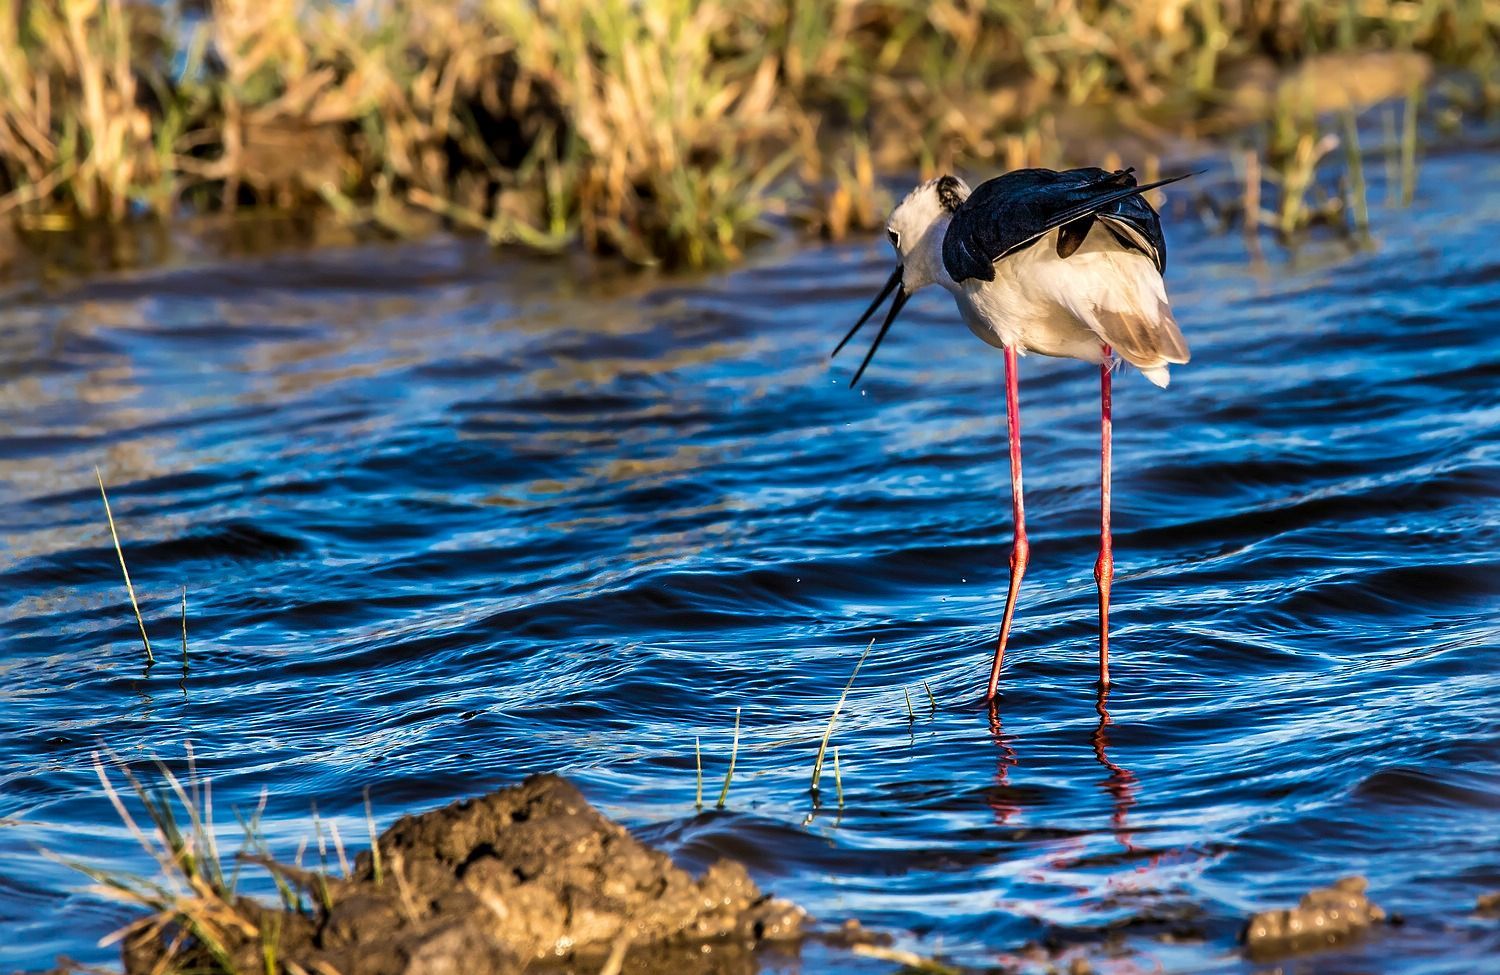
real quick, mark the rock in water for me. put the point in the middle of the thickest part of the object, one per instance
(529, 878)
(1325, 917)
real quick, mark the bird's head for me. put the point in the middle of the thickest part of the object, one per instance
(915, 229)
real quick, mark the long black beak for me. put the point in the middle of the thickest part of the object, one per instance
(891, 285)
(896, 306)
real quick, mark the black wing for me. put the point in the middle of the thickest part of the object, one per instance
(1010, 212)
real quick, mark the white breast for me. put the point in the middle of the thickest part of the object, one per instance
(1101, 294)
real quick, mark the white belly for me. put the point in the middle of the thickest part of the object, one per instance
(1035, 301)
(1006, 315)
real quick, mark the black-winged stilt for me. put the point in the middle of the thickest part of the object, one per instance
(1063, 264)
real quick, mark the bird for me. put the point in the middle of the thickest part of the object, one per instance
(1061, 263)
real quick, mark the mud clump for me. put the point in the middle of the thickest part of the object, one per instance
(1326, 916)
(528, 878)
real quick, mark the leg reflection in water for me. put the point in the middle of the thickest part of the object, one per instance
(1000, 796)
(1120, 783)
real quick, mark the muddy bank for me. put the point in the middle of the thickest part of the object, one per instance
(525, 879)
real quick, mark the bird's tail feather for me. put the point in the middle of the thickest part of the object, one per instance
(1126, 306)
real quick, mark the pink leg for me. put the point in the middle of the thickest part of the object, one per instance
(1020, 553)
(1104, 568)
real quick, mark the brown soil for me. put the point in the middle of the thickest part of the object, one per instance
(528, 878)
(1326, 916)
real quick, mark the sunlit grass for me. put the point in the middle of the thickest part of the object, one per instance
(673, 131)
(734, 752)
(114, 534)
(817, 772)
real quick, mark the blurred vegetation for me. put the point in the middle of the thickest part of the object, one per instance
(672, 131)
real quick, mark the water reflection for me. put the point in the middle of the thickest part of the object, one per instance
(1001, 797)
(1121, 782)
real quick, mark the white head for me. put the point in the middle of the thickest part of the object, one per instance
(916, 229)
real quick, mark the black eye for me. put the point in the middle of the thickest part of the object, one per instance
(895, 239)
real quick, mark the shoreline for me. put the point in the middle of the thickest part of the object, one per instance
(672, 137)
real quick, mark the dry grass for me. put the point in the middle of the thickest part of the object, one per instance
(191, 899)
(193, 918)
(661, 130)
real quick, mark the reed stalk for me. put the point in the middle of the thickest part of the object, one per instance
(1354, 161)
(817, 772)
(733, 754)
(838, 779)
(1409, 148)
(120, 553)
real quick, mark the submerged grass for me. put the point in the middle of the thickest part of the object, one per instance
(667, 131)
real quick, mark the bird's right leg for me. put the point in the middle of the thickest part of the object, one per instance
(1020, 553)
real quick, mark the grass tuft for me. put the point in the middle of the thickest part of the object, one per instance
(191, 893)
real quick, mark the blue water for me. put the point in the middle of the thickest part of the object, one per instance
(445, 519)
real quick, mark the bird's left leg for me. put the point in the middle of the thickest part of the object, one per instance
(1104, 567)
(1020, 553)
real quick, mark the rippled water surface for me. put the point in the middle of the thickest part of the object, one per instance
(444, 520)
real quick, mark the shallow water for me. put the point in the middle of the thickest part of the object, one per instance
(443, 521)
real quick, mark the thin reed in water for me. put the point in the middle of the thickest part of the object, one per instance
(838, 779)
(129, 587)
(1355, 163)
(817, 773)
(734, 751)
(1409, 148)
(911, 716)
(931, 701)
(698, 756)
